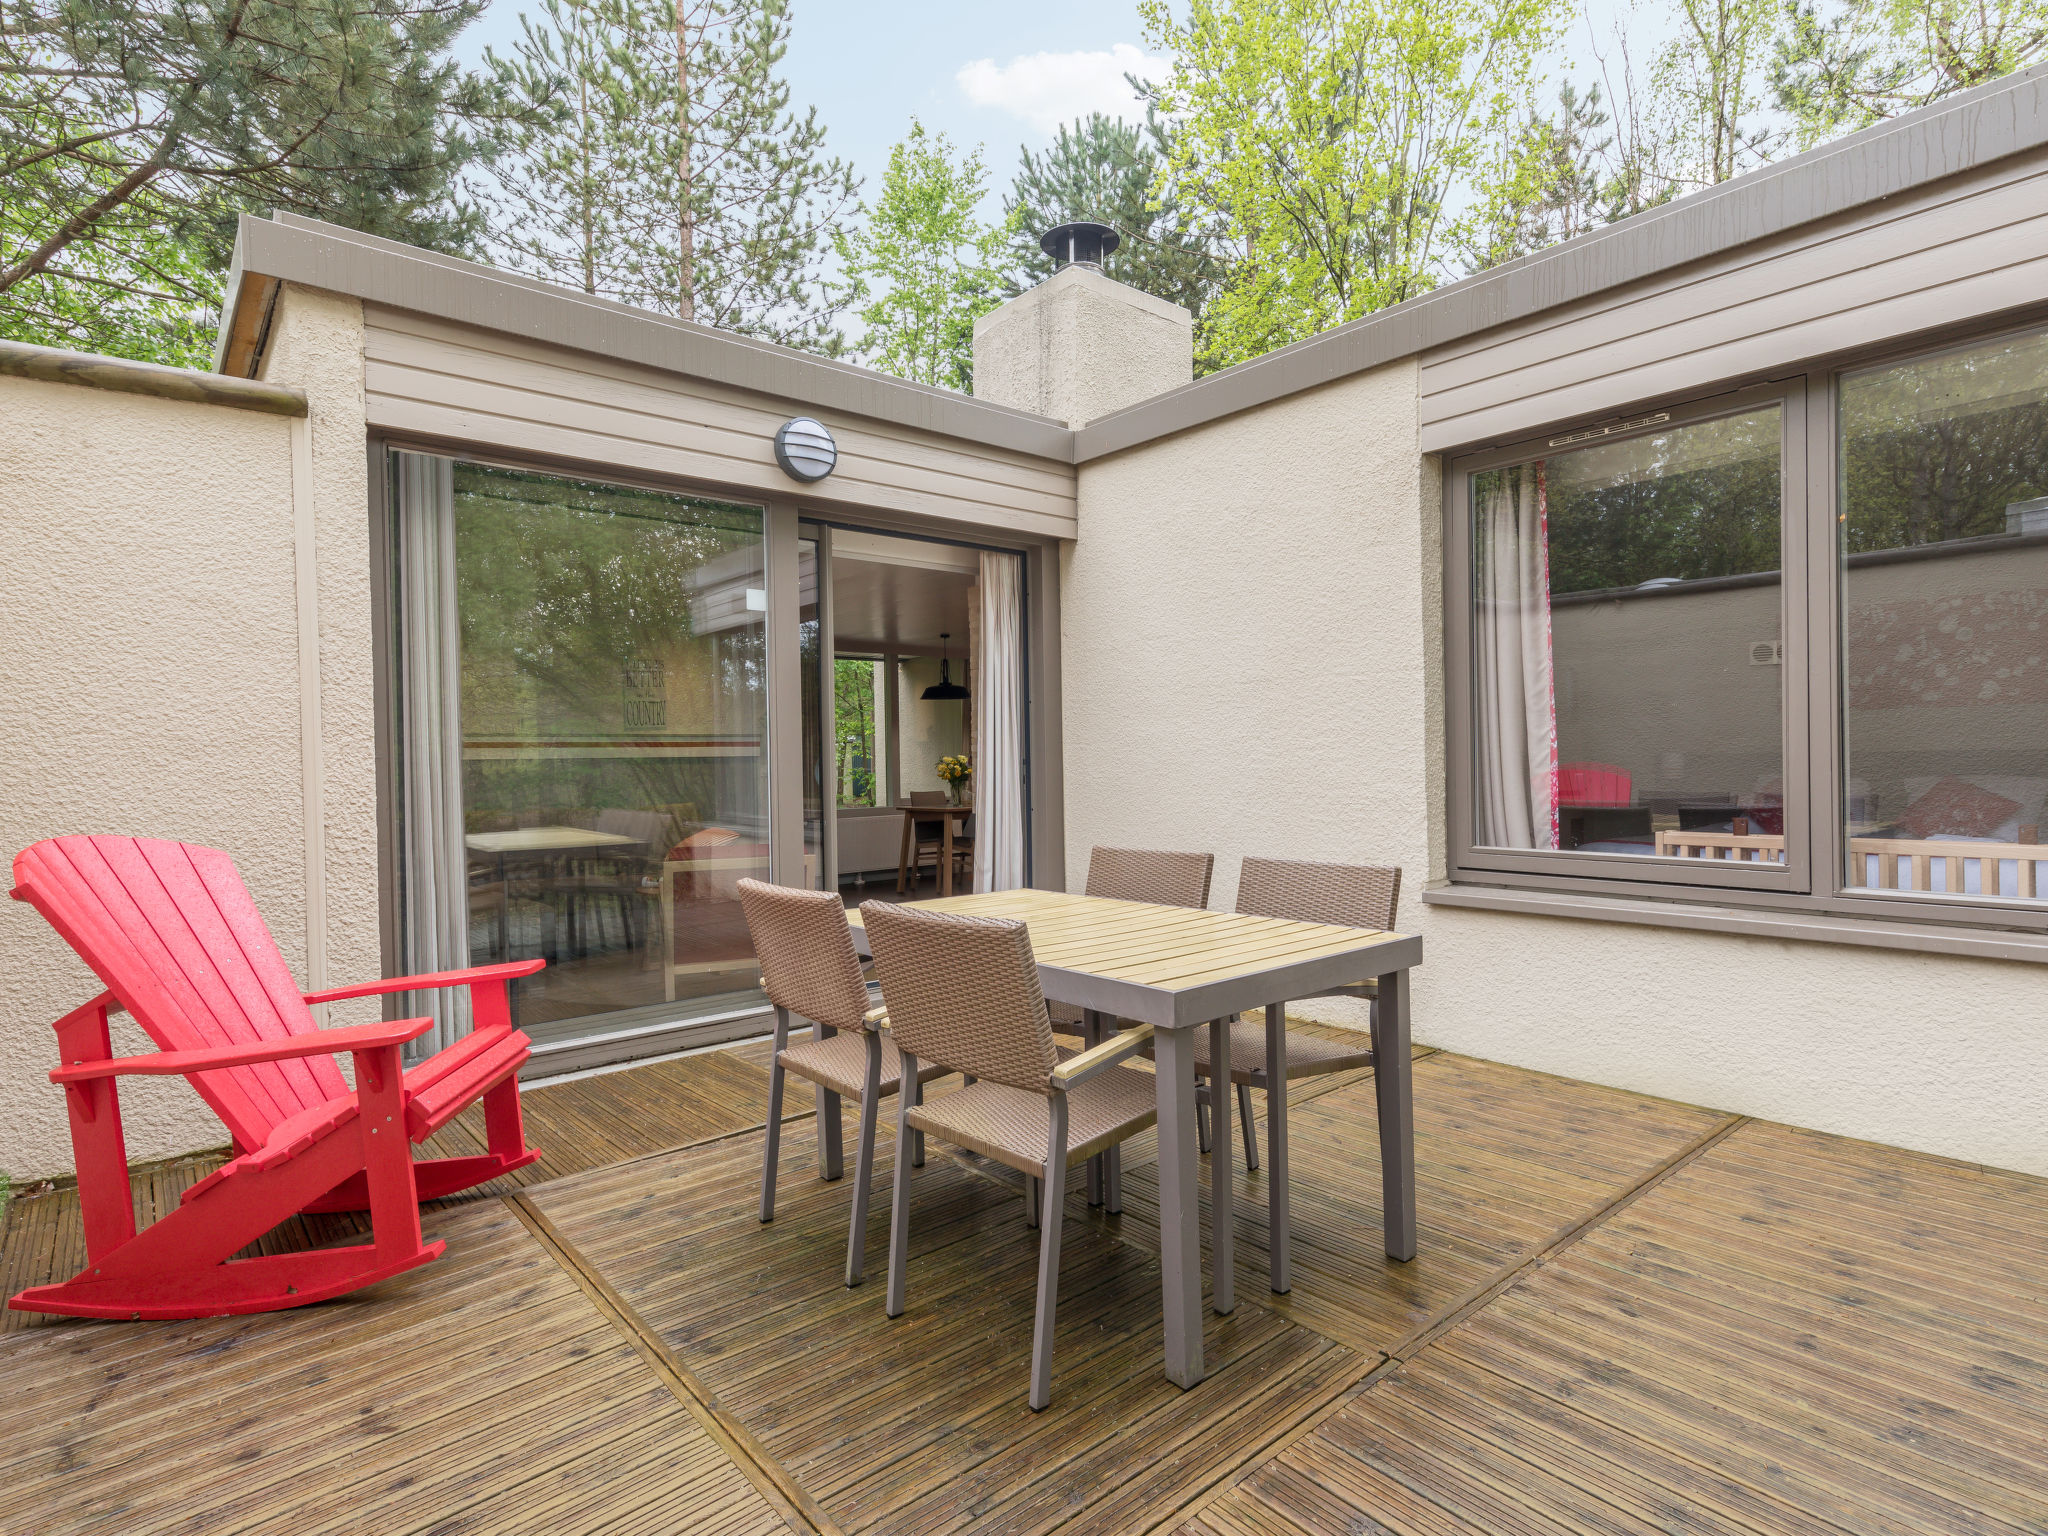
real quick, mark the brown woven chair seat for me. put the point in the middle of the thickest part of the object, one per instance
(1010, 1124)
(841, 1064)
(1307, 1055)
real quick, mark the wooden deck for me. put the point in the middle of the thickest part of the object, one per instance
(1627, 1316)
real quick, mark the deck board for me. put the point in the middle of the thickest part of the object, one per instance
(480, 1393)
(1627, 1316)
(1794, 1333)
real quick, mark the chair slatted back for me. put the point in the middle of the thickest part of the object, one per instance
(963, 993)
(805, 947)
(1144, 874)
(175, 936)
(1304, 891)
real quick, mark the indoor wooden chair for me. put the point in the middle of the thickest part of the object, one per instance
(1344, 895)
(808, 968)
(928, 841)
(964, 996)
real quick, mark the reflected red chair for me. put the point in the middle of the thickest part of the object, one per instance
(174, 935)
(1594, 784)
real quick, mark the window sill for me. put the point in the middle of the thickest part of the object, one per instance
(1813, 928)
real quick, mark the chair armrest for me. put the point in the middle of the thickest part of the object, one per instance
(475, 975)
(876, 1018)
(321, 1042)
(1078, 1069)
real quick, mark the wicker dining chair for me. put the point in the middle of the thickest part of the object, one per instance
(964, 995)
(1165, 879)
(1343, 895)
(809, 969)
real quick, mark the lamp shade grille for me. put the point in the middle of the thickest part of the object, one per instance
(805, 449)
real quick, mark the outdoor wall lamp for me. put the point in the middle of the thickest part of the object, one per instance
(804, 449)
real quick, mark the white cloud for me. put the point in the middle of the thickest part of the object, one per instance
(1047, 89)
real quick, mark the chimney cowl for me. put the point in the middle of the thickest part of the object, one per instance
(1082, 244)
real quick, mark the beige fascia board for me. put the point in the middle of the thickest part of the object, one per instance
(288, 248)
(1966, 131)
(57, 365)
(1753, 922)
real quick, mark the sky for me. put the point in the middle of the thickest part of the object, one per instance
(998, 75)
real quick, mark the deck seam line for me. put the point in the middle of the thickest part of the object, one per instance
(769, 1477)
(1476, 1300)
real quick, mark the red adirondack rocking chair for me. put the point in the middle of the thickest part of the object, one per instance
(172, 931)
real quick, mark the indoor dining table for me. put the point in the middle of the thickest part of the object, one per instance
(1180, 969)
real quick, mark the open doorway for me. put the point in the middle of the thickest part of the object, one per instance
(921, 736)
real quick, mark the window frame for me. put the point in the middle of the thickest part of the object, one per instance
(1572, 868)
(1816, 836)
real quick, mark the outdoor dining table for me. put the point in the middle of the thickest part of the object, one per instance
(1178, 969)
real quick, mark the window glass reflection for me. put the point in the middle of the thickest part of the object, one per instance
(1627, 646)
(1944, 548)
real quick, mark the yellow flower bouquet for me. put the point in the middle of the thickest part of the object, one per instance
(955, 771)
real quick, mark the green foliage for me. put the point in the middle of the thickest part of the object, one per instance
(1113, 172)
(133, 132)
(854, 722)
(1696, 502)
(1336, 140)
(675, 176)
(1872, 59)
(926, 267)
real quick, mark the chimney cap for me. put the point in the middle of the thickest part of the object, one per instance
(1082, 244)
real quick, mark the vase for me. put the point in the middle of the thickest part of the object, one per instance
(954, 787)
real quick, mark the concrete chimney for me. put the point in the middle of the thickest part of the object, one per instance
(1081, 345)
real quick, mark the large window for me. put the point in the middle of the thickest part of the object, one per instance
(1697, 648)
(583, 765)
(1944, 554)
(1625, 636)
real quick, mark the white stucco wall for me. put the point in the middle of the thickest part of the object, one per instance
(148, 664)
(1245, 647)
(150, 669)
(1251, 636)
(317, 346)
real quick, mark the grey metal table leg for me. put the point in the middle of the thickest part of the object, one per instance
(1276, 1148)
(1222, 1175)
(831, 1145)
(1180, 1245)
(1091, 1036)
(1393, 1084)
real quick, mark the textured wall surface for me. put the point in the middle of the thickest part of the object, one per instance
(1081, 345)
(149, 673)
(317, 345)
(1244, 648)
(1252, 660)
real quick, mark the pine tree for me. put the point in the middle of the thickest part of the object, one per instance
(565, 194)
(133, 132)
(1112, 172)
(677, 178)
(1873, 59)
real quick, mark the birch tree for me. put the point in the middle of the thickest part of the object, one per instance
(1338, 141)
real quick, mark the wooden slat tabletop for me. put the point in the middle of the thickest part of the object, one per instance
(1168, 948)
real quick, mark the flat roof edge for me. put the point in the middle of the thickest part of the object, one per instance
(1962, 133)
(292, 249)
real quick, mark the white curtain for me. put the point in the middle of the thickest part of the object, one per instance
(434, 895)
(1515, 708)
(999, 726)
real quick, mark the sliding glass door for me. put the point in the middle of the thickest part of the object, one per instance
(583, 761)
